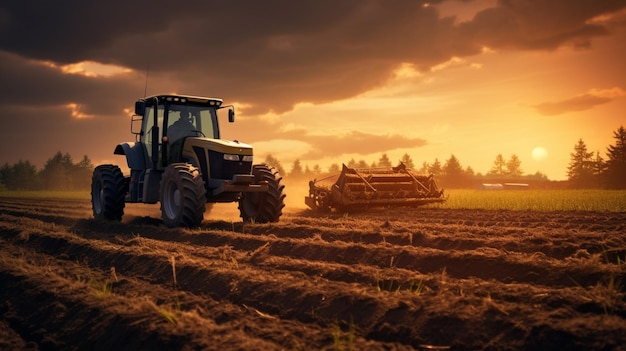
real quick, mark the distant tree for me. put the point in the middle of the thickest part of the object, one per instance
(334, 169)
(499, 166)
(452, 167)
(425, 167)
(513, 167)
(56, 173)
(435, 168)
(272, 161)
(384, 161)
(599, 166)
(615, 173)
(469, 171)
(296, 169)
(453, 174)
(20, 176)
(580, 169)
(81, 173)
(362, 164)
(307, 172)
(352, 163)
(4, 170)
(317, 170)
(408, 162)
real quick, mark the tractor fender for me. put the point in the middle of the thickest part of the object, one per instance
(134, 153)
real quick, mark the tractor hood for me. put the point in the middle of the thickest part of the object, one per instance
(219, 145)
(218, 159)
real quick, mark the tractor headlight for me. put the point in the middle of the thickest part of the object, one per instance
(229, 157)
(247, 158)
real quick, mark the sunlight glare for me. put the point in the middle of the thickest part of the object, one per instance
(539, 153)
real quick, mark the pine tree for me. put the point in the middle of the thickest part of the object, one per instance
(362, 164)
(599, 167)
(408, 162)
(296, 169)
(513, 167)
(580, 169)
(384, 161)
(615, 174)
(272, 161)
(435, 168)
(499, 166)
(452, 168)
(454, 175)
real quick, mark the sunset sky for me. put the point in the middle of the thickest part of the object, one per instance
(322, 81)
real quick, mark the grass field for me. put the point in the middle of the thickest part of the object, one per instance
(536, 200)
(515, 200)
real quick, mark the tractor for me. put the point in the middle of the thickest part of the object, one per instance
(179, 160)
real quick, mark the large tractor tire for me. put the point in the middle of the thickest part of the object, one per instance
(183, 196)
(263, 207)
(108, 189)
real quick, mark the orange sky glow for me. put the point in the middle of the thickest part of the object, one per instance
(472, 79)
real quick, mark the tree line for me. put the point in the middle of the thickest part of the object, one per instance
(590, 170)
(59, 173)
(585, 170)
(449, 173)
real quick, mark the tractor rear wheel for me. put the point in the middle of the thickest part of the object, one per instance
(183, 196)
(108, 188)
(263, 207)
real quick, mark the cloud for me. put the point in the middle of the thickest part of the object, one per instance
(316, 51)
(357, 143)
(31, 83)
(580, 102)
(322, 146)
(540, 24)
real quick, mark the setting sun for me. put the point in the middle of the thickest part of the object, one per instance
(539, 153)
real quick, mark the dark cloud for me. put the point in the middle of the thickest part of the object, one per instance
(540, 24)
(273, 54)
(580, 102)
(30, 83)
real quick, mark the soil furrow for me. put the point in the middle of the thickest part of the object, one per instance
(382, 279)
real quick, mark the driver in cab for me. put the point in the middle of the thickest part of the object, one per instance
(181, 128)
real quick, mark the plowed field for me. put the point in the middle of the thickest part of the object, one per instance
(402, 279)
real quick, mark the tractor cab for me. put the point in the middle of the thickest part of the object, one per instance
(166, 121)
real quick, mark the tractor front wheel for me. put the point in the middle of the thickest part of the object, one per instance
(263, 207)
(108, 188)
(183, 196)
